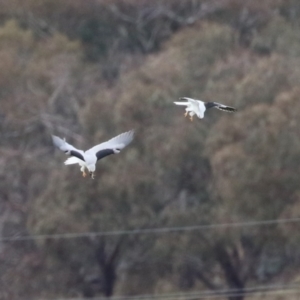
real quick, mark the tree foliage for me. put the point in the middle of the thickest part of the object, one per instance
(222, 169)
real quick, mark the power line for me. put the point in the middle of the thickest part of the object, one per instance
(159, 230)
(266, 290)
(195, 297)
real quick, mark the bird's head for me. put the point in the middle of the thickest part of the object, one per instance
(91, 169)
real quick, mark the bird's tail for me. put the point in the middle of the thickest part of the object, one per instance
(72, 160)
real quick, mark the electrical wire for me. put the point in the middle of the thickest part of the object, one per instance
(159, 230)
(253, 291)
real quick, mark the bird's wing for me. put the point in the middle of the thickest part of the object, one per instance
(191, 103)
(67, 148)
(182, 103)
(190, 100)
(117, 143)
(194, 104)
(224, 107)
(73, 160)
(197, 106)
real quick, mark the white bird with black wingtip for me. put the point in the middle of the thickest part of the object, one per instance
(88, 159)
(198, 107)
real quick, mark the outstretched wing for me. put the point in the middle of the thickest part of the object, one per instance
(224, 107)
(193, 103)
(182, 103)
(189, 101)
(112, 146)
(67, 148)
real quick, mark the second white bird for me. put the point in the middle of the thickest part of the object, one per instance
(198, 107)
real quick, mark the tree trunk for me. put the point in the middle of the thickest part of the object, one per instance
(107, 264)
(231, 273)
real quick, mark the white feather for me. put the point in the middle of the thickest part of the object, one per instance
(193, 106)
(118, 142)
(182, 103)
(63, 145)
(73, 160)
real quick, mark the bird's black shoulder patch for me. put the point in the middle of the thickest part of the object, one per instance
(77, 154)
(105, 152)
(210, 104)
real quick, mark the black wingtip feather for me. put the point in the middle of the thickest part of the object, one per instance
(227, 109)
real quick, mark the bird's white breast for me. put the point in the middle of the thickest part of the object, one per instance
(201, 109)
(90, 158)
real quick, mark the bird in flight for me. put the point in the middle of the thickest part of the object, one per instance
(88, 159)
(198, 107)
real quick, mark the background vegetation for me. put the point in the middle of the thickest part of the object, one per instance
(89, 70)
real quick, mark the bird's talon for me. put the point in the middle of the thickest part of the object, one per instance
(83, 174)
(185, 114)
(191, 118)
